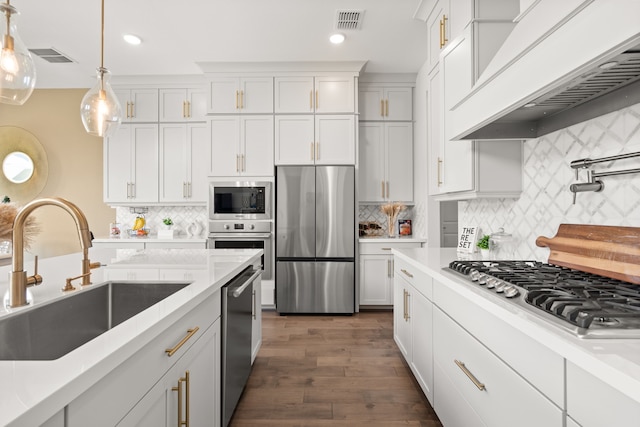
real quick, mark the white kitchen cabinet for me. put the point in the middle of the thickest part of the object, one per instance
(185, 162)
(182, 105)
(413, 327)
(377, 271)
(139, 390)
(315, 139)
(190, 390)
(386, 167)
(242, 145)
(588, 396)
(438, 31)
(240, 95)
(469, 169)
(489, 389)
(138, 105)
(320, 94)
(378, 103)
(256, 319)
(131, 165)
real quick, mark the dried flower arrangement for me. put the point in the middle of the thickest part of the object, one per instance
(392, 210)
(8, 212)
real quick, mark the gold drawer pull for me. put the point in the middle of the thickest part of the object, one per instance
(468, 373)
(386, 249)
(190, 332)
(407, 273)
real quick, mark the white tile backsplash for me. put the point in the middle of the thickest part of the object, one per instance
(182, 217)
(546, 201)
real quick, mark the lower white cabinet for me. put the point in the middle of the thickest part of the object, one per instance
(592, 403)
(256, 316)
(376, 271)
(189, 394)
(488, 391)
(412, 326)
(140, 391)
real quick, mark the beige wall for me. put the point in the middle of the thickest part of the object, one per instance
(75, 167)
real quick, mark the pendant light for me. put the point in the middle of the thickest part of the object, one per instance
(17, 71)
(100, 110)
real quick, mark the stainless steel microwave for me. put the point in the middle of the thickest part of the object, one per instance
(240, 200)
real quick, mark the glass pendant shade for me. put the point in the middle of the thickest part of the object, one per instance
(100, 110)
(17, 71)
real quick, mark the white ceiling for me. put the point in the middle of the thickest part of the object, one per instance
(178, 34)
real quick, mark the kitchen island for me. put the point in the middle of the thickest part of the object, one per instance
(482, 360)
(37, 392)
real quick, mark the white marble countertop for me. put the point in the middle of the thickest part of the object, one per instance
(614, 361)
(33, 391)
(152, 238)
(384, 239)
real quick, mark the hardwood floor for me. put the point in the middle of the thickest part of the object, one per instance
(336, 371)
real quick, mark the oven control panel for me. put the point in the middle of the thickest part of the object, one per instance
(239, 226)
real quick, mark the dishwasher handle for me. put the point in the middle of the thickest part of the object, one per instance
(240, 289)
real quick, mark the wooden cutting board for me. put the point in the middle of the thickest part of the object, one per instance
(609, 251)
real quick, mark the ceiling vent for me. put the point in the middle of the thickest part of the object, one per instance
(349, 19)
(51, 55)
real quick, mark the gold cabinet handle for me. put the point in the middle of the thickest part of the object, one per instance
(190, 332)
(443, 31)
(468, 373)
(439, 171)
(311, 100)
(133, 110)
(317, 100)
(382, 188)
(386, 249)
(387, 189)
(386, 107)
(237, 94)
(189, 109)
(184, 109)
(183, 381)
(317, 151)
(382, 107)
(311, 152)
(237, 163)
(241, 99)
(407, 273)
(244, 162)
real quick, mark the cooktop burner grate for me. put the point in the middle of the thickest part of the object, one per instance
(585, 300)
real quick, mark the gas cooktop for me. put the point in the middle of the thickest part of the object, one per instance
(586, 304)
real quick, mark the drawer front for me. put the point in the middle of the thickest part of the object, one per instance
(114, 395)
(593, 403)
(422, 282)
(384, 248)
(522, 353)
(495, 392)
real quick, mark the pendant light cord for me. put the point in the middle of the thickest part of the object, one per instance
(101, 37)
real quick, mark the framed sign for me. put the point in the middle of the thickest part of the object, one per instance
(467, 238)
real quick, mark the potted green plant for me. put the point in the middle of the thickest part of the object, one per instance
(167, 223)
(483, 244)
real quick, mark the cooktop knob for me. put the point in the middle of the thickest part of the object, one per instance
(482, 279)
(492, 282)
(500, 286)
(511, 291)
(474, 275)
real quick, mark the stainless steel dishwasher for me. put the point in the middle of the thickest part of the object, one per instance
(236, 338)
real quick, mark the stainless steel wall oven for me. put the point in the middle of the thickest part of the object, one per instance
(244, 235)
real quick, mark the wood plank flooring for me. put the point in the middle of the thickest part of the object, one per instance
(338, 371)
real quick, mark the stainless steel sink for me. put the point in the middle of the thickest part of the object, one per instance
(50, 331)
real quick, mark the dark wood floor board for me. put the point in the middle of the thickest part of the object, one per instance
(331, 371)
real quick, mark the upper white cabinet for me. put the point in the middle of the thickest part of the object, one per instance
(131, 165)
(385, 103)
(240, 95)
(138, 105)
(315, 139)
(183, 105)
(320, 94)
(242, 145)
(185, 162)
(386, 153)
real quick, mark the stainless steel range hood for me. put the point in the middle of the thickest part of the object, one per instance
(564, 63)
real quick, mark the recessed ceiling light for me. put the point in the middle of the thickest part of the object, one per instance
(336, 38)
(132, 39)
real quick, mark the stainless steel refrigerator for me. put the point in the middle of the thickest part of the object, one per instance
(315, 239)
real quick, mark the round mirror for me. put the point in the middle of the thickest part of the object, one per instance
(24, 165)
(17, 167)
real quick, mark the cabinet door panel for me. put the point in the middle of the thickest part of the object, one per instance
(145, 105)
(173, 158)
(117, 165)
(294, 95)
(422, 338)
(372, 162)
(172, 105)
(225, 134)
(335, 95)
(199, 148)
(435, 32)
(294, 140)
(257, 95)
(256, 135)
(375, 280)
(223, 96)
(335, 139)
(399, 154)
(370, 103)
(197, 104)
(434, 123)
(398, 103)
(402, 316)
(145, 155)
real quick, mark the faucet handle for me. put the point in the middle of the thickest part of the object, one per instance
(36, 279)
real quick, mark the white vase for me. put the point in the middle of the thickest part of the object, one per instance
(485, 253)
